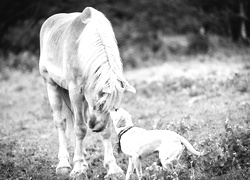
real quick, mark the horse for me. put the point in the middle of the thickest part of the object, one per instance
(82, 69)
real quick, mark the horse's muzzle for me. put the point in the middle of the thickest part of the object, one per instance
(99, 128)
(97, 125)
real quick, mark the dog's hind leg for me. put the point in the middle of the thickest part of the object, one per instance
(169, 162)
(137, 163)
(166, 160)
(130, 169)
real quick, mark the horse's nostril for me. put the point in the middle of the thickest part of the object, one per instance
(92, 122)
(99, 127)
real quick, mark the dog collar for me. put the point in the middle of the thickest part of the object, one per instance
(119, 149)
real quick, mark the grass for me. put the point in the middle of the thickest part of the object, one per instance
(191, 96)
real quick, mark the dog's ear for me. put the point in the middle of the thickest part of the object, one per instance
(121, 123)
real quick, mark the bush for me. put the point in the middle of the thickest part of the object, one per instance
(228, 153)
(198, 44)
(25, 61)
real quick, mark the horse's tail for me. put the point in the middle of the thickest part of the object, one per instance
(189, 147)
(68, 115)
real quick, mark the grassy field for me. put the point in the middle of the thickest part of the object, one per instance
(193, 95)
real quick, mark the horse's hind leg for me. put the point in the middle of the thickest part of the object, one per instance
(55, 100)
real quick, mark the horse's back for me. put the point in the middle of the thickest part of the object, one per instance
(66, 39)
(52, 44)
(53, 32)
(60, 30)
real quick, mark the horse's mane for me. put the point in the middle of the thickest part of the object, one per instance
(100, 59)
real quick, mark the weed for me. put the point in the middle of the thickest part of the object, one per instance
(198, 44)
(241, 82)
(230, 152)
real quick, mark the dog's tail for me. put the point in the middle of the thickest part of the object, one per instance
(189, 147)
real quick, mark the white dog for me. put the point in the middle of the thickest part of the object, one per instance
(138, 143)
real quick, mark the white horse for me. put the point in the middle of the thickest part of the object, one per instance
(81, 66)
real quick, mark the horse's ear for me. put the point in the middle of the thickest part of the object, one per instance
(130, 88)
(86, 14)
(126, 85)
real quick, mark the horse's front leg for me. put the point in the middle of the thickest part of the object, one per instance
(55, 100)
(114, 171)
(80, 130)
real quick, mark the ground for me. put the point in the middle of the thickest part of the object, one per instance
(196, 93)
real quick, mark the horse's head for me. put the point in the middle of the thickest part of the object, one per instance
(103, 101)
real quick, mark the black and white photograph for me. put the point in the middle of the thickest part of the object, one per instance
(125, 90)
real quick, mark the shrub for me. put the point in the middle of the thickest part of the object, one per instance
(25, 61)
(228, 153)
(198, 44)
(240, 82)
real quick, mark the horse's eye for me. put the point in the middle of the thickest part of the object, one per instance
(100, 94)
(101, 106)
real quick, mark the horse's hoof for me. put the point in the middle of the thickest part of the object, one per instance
(63, 170)
(118, 176)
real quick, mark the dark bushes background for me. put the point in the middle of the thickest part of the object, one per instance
(135, 22)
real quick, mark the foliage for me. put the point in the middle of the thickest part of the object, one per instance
(198, 44)
(24, 61)
(225, 157)
(138, 23)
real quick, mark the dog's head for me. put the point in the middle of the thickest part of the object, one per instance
(121, 119)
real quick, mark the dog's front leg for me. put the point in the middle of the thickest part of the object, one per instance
(130, 169)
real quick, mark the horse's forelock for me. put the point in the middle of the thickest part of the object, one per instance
(106, 80)
(114, 96)
(101, 63)
(112, 99)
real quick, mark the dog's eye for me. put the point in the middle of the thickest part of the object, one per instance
(116, 109)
